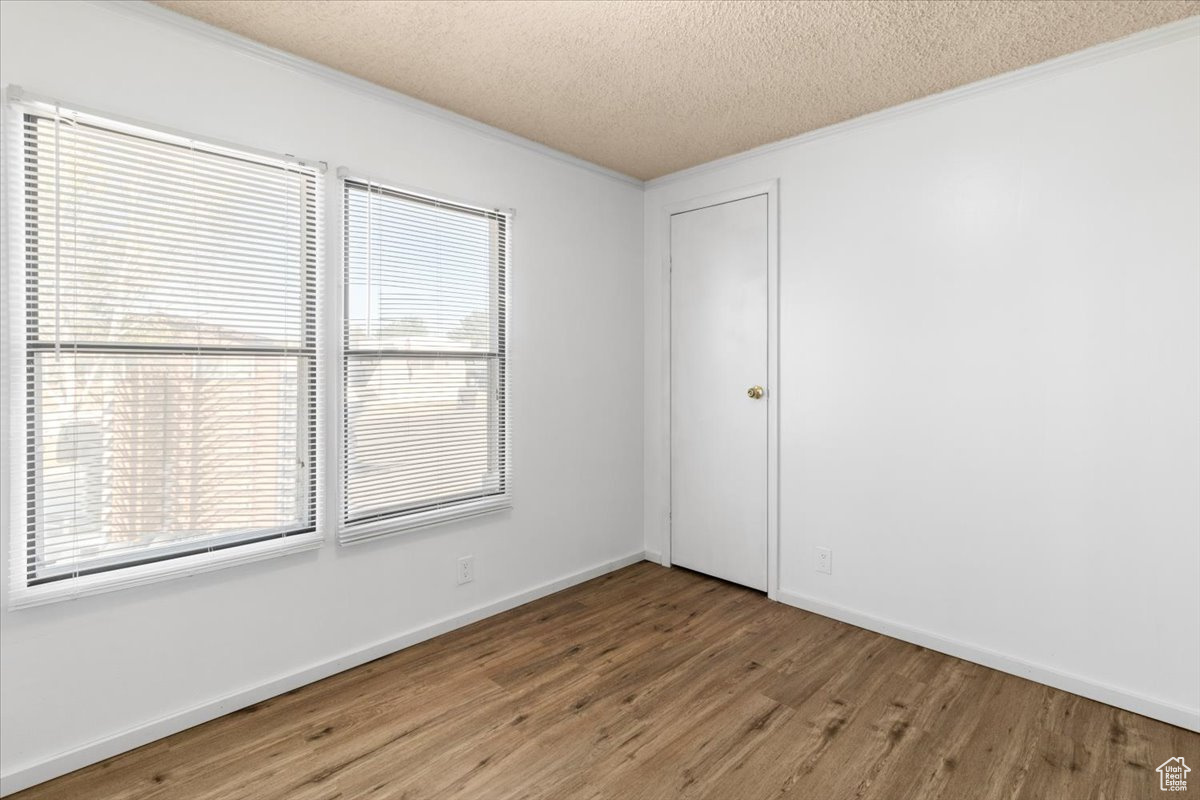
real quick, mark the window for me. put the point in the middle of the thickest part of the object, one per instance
(424, 432)
(168, 375)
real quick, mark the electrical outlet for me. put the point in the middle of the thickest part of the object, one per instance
(466, 569)
(825, 560)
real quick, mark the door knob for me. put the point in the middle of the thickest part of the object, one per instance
(754, 392)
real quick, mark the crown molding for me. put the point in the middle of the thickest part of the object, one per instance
(142, 9)
(1135, 43)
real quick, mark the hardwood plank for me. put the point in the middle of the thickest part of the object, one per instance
(645, 684)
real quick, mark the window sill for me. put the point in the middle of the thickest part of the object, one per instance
(366, 532)
(69, 589)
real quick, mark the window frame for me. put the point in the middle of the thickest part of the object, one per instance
(388, 524)
(29, 585)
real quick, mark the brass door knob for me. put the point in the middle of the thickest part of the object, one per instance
(754, 392)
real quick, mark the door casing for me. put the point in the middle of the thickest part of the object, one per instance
(771, 190)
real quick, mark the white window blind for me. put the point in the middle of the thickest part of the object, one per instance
(424, 433)
(168, 358)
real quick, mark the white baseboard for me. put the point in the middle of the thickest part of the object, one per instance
(144, 734)
(1182, 716)
(165, 726)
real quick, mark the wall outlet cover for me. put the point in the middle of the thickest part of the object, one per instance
(824, 561)
(466, 569)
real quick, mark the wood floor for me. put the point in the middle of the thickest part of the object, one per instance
(652, 683)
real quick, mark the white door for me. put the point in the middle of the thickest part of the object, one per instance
(718, 359)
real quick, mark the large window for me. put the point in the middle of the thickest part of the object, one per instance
(168, 351)
(424, 358)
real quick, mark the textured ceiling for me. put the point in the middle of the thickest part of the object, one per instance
(649, 87)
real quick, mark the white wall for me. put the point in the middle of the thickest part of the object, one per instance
(89, 669)
(990, 339)
(990, 379)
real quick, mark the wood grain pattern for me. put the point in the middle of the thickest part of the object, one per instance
(650, 683)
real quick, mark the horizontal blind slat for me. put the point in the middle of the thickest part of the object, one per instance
(137, 248)
(424, 355)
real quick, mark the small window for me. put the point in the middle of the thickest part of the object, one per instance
(424, 370)
(168, 299)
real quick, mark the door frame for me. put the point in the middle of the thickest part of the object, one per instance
(771, 189)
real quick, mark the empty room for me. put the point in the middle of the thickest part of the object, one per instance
(600, 399)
